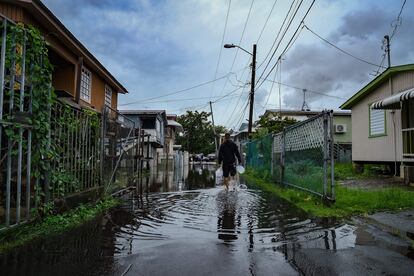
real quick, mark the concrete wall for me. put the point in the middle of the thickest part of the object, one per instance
(387, 148)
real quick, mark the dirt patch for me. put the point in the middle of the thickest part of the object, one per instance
(375, 183)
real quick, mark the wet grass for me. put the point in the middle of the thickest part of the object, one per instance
(349, 202)
(53, 224)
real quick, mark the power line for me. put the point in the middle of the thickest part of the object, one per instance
(398, 23)
(179, 100)
(311, 91)
(182, 90)
(221, 44)
(290, 20)
(240, 41)
(238, 101)
(288, 44)
(340, 49)
(267, 20)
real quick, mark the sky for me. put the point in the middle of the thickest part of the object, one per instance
(161, 47)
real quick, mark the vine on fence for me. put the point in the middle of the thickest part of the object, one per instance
(26, 46)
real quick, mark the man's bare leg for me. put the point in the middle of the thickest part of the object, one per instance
(226, 183)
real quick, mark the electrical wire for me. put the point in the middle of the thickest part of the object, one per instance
(267, 20)
(288, 44)
(398, 23)
(182, 90)
(221, 45)
(307, 90)
(339, 49)
(240, 41)
(287, 17)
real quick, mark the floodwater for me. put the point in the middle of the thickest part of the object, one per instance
(199, 229)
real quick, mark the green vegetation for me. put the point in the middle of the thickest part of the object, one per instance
(53, 223)
(268, 125)
(345, 171)
(198, 136)
(304, 173)
(348, 201)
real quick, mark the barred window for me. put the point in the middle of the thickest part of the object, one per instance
(86, 85)
(108, 95)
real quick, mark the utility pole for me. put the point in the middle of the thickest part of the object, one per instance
(252, 92)
(387, 49)
(214, 128)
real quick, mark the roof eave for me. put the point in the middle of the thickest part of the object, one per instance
(374, 84)
(42, 9)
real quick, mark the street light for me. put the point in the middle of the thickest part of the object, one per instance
(227, 46)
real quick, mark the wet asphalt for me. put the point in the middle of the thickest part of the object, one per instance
(208, 231)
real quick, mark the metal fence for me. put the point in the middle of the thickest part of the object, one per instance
(76, 150)
(121, 150)
(75, 134)
(302, 155)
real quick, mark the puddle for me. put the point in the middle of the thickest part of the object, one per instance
(194, 228)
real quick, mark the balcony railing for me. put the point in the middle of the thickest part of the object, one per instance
(408, 142)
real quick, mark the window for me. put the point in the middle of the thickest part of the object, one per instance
(86, 85)
(108, 95)
(376, 122)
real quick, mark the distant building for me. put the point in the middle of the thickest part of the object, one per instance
(153, 123)
(383, 120)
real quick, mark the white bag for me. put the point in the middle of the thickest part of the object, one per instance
(219, 176)
(240, 169)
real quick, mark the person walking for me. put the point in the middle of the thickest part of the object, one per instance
(228, 153)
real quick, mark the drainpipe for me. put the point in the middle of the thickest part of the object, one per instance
(78, 79)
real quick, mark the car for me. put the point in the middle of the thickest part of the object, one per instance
(211, 157)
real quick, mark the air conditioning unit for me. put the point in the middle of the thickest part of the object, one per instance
(340, 128)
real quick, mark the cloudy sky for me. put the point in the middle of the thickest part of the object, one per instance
(158, 47)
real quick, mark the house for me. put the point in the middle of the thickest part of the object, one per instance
(342, 127)
(153, 123)
(172, 129)
(383, 119)
(78, 77)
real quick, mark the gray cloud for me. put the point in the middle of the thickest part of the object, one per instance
(320, 67)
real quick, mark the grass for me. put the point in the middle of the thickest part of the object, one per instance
(53, 224)
(349, 202)
(344, 171)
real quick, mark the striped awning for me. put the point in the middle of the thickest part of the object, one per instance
(393, 102)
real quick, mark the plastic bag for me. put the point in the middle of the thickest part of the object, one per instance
(240, 169)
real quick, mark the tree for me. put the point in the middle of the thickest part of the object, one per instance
(276, 124)
(198, 135)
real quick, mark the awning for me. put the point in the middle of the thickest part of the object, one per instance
(393, 102)
(173, 123)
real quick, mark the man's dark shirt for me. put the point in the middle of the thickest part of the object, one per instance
(228, 153)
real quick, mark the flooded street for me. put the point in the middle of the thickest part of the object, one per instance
(199, 229)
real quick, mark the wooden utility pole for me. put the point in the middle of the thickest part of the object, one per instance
(387, 49)
(252, 92)
(214, 128)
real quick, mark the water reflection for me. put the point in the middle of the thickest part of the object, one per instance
(198, 231)
(198, 176)
(227, 220)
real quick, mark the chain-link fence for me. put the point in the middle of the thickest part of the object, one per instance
(302, 155)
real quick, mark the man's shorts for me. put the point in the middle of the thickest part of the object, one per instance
(229, 169)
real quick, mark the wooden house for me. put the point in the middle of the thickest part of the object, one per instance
(77, 76)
